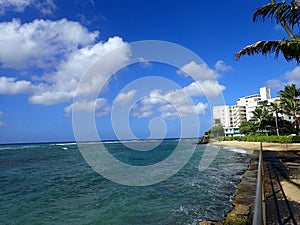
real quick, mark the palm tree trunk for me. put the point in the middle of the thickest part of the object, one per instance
(276, 123)
(283, 23)
(294, 120)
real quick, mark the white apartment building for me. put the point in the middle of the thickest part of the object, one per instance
(252, 101)
(224, 114)
(232, 116)
(229, 116)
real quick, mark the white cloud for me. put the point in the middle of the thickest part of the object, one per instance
(64, 81)
(9, 85)
(51, 98)
(125, 98)
(49, 45)
(289, 77)
(103, 69)
(207, 88)
(221, 66)
(181, 102)
(145, 64)
(274, 84)
(45, 7)
(40, 43)
(198, 71)
(293, 76)
(172, 104)
(181, 110)
(142, 114)
(100, 106)
(15, 5)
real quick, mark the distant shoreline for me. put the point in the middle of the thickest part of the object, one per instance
(88, 141)
(251, 146)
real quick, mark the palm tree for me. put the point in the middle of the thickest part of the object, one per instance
(288, 16)
(291, 107)
(275, 107)
(290, 102)
(259, 115)
(217, 122)
(290, 92)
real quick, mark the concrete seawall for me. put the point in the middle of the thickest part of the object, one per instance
(282, 190)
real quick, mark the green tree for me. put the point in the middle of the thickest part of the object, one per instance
(247, 127)
(259, 116)
(217, 122)
(275, 108)
(286, 127)
(216, 131)
(291, 108)
(290, 102)
(290, 92)
(286, 14)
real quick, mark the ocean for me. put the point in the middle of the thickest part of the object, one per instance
(53, 184)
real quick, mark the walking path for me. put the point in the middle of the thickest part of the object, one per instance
(282, 189)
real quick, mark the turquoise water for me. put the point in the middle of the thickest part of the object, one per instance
(52, 184)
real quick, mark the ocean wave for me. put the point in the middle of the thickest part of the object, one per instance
(132, 141)
(12, 147)
(110, 142)
(238, 150)
(64, 144)
(7, 148)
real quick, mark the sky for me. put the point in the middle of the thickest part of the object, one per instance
(49, 47)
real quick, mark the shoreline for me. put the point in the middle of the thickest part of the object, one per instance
(245, 192)
(244, 196)
(250, 147)
(291, 190)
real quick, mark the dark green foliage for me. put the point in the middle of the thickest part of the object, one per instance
(296, 139)
(286, 127)
(288, 16)
(247, 127)
(232, 138)
(264, 138)
(279, 11)
(289, 48)
(216, 131)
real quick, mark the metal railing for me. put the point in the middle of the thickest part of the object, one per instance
(259, 216)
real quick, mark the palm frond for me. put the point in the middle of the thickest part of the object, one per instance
(290, 92)
(289, 48)
(290, 13)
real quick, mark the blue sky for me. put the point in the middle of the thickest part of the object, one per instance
(47, 45)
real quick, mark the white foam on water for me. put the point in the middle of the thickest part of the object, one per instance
(63, 144)
(238, 150)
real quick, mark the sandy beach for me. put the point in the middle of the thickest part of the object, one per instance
(250, 146)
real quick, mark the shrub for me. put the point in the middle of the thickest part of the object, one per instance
(263, 138)
(296, 139)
